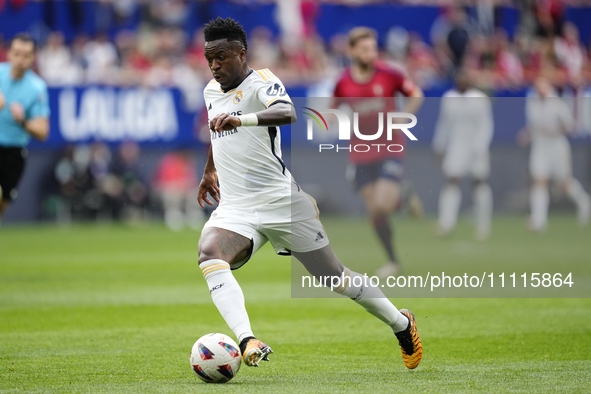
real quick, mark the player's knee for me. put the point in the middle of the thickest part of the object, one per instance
(479, 182)
(207, 251)
(540, 183)
(385, 207)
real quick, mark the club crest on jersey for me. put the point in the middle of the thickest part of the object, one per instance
(238, 97)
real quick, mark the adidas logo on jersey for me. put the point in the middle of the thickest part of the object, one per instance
(319, 236)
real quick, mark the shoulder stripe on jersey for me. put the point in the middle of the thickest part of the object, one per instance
(273, 135)
(280, 99)
(212, 81)
(262, 75)
(272, 75)
(268, 73)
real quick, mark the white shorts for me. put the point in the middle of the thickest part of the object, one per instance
(551, 161)
(290, 224)
(460, 162)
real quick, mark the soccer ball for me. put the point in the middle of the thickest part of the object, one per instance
(215, 358)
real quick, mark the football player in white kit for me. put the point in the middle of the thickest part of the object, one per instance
(462, 139)
(258, 199)
(548, 121)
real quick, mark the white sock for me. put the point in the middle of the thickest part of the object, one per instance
(483, 207)
(576, 192)
(449, 206)
(372, 299)
(227, 296)
(539, 200)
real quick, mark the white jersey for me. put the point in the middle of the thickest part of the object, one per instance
(248, 160)
(547, 120)
(465, 122)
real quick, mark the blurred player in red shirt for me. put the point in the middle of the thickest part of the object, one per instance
(369, 87)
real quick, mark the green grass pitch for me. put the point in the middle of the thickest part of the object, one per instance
(108, 308)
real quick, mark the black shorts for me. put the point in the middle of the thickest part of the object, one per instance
(12, 165)
(363, 174)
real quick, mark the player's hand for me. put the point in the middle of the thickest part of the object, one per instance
(209, 184)
(18, 112)
(224, 122)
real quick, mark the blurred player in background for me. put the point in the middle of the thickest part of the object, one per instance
(376, 174)
(461, 142)
(260, 201)
(175, 182)
(549, 120)
(25, 114)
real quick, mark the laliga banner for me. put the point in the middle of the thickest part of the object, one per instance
(149, 116)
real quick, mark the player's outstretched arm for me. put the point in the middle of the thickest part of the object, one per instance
(209, 183)
(38, 127)
(278, 114)
(2, 100)
(415, 101)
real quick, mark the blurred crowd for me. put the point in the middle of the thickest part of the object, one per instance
(96, 182)
(159, 52)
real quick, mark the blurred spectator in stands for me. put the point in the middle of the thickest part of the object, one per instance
(339, 54)
(485, 16)
(397, 43)
(458, 37)
(291, 24)
(421, 62)
(124, 185)
(570, 52)
(314, 58)
(102, 14)
(170, 42)
(78, 55)
(69, 175)
(94, 199)
(133, 64)
(55, 62)
(480, 63)
(124, 9)
(160, 74)
(101, 56)
(450, 34)
(262, 51)
(180, 75)
(13, 3)
(508, 67)
(161, 13)
(549, 16)
(195, 53)
(78, 173)
(175, 182)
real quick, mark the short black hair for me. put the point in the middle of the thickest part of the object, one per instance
(225, 28)
(24, 37)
